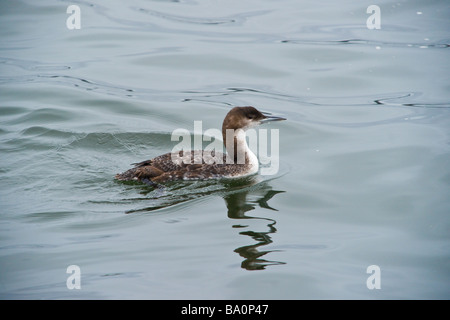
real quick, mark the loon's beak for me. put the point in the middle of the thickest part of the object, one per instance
(269, 118)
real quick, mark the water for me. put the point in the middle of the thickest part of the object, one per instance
(365, 157)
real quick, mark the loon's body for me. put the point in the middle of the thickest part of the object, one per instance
(201, 165)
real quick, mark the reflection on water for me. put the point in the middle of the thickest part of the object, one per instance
(238, 205)
(237, 198)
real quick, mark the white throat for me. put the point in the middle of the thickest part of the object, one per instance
(242, 149)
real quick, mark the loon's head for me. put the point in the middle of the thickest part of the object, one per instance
(245, 118)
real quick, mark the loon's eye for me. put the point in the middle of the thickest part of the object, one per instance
(251, 116)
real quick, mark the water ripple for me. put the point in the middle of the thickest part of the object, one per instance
(443, 44)
(389, 99)
(194, 20)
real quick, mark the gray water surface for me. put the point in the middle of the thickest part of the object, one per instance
(364, 176)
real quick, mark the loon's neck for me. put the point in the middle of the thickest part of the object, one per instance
(237, 149)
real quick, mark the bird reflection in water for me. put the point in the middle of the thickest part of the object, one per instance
(238, 204)
(236, 196)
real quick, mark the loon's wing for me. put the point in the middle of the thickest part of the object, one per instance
(176, 166)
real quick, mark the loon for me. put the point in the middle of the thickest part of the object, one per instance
(239, 161)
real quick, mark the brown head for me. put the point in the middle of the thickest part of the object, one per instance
(244, 118)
